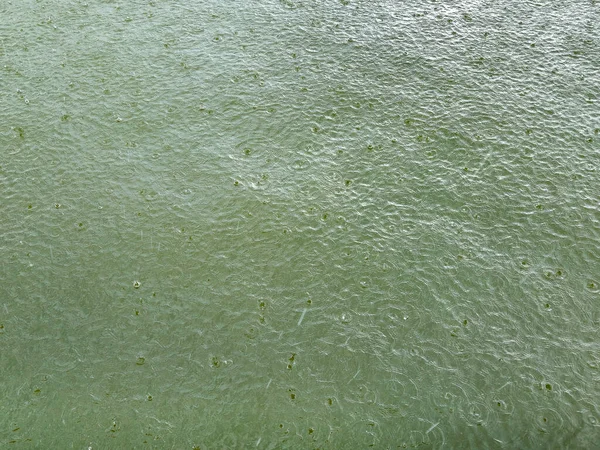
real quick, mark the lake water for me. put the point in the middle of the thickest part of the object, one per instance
(299, 224)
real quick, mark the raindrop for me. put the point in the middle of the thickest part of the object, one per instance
(346, 318)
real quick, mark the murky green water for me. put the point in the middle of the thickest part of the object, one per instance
(299, 224)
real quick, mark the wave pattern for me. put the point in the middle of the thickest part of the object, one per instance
(291, 223)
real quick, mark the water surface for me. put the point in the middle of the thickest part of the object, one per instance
(299, 224)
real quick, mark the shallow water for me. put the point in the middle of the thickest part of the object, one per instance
(299, 224)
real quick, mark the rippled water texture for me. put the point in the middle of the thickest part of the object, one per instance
(299, 224)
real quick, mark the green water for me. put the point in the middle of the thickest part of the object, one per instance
(299, 224)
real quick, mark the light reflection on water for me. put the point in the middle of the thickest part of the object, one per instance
(339, 224)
